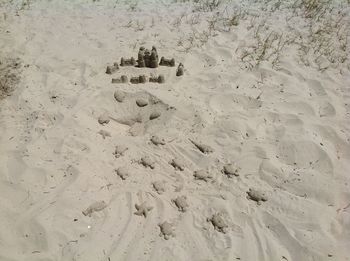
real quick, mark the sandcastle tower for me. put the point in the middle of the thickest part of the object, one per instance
(147, 57)
(180, 70)
(154, 58)
(167, 62)
(141, 57)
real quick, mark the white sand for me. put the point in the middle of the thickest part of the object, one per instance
(285, 129)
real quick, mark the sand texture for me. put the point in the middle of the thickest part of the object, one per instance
(242, 155)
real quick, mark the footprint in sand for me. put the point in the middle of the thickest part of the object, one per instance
(326, 109)
(120, 150)
(181, 203)
(178, 164)
(202, 175)
(166, 230)
(218, 222)
(95, 207)
(157, 141)
(159, 186)
(147, 162)
(206, 149)
(257, 196)
(104, 134)
(122, 172)
(316, 87)
(143, 209)
(230, 170)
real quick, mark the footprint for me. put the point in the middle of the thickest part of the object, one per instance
(304, 154)
(316, 87)
(326, 110)
(95, 207)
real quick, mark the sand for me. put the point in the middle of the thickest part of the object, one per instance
(280, 126)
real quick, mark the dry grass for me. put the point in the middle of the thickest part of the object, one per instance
(9, 76)
(207, 5)
(268, 47)
(318, 29)
(328, 34)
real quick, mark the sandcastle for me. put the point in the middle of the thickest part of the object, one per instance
(180, 70)
(122, 79)
(159, 79)
(138, 79)
(127, 62)
(145, 59)
(167, 62)
(112, 68)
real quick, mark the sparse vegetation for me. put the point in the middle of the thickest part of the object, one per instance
(327, 33)
(316, 31)
(212, 22)
(207, 5)
(267, 47)
(9, 76)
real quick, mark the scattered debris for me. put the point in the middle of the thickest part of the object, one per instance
(202, 175)
(230, 170)
(166, 230)
(104, 133)
(146, 161)
(53, 97)
(95, 207)
(218, 223)
(157, 141)
(167, 62)
(103, 119)
(127, 62)
(119, 96)
(120, 150)
(256, 195)
(177, 164)
(206, 149)
(181, 203)
(122, 79)
(112, 68)
(122, 172)
(180, 70)
(143, 209)
(159, 186)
